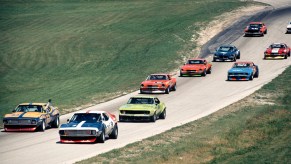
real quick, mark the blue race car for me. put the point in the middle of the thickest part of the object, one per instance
(243, 71)
(90, 126)
(226, 52)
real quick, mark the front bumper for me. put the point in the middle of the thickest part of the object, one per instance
(20, 128)
(275, 56)
(223, 58)
(254, 33)
(191, 72)
(78, 136)
(238, 78)
(136, 117)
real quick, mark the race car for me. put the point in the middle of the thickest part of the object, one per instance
(243, 71)
(256, 28)
(277, 51)
(32, 117)
(226, 52)
(158, 83)
(196, 66)
(288, 28)
(89, 127)
(142, 108)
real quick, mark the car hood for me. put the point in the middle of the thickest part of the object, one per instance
(137, 106)
(24, 115)
(238, 70)
(82, 124)
(193, 66)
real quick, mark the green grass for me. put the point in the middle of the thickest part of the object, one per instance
(254, 130)
(80, 52)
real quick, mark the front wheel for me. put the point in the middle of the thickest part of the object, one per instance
(285, 57)
(174, 88)
(114, 133)
(204, 73)
(209, 71)
(42, 126)
(154, 118)
(101, 138)
(251, 77)
(167, 91)
(163, 114)
(56, 122)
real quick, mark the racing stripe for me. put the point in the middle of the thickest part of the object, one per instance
(275, 50)
(20, 116)
(80, 124)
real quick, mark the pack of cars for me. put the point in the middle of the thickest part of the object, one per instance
(95, 126)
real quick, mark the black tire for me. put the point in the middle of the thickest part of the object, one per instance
(266, 32)
(285, 56)
(101, 138)
(204, 73)
(238, 55)
(174, 88)
(214, 60)
(140, 91)
(42, 126)
(289, 54)
(181, 74)
(56, 122)
(257, 72)
(153, 118)
(167, 91)
(163, 114)
(114, 133)
(251, 78)
(209, 71)
(234, 59)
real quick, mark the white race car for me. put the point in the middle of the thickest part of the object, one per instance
(90, 126)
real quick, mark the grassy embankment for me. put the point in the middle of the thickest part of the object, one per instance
(256, 129)
(83, 52)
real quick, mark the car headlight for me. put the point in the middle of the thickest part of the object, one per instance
(93, 132)
(62, 132)
(5, 122)
(33, 121)
(122, 112)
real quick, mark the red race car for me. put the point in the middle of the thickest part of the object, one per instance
(158, 83)
(196, 66)
(277, 51)
(256, 28)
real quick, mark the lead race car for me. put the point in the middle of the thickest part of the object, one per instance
(256, 28)
(32, 117)
(142, 108)
(89, 127)
(277, 51)
(226, 52)
(243, 71)
(158, 83)
(288, 28)
(196, 66)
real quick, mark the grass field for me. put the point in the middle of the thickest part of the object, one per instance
(254, 130)
(80, 52)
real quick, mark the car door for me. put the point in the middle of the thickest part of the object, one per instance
(108, 123)
(158, 105)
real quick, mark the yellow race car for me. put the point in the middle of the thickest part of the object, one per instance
(32, 117)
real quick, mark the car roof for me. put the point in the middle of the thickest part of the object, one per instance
(143, 96)
(90, 111)
(256, 22)
(160, 74)
(244, 62)
(33, 104)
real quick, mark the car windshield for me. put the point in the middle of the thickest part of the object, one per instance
(157, 77)
(195, 62)
(255, 25)
(135, 100)
(225, 49)
(29, 108)
(88, 117)
(241, 65)
(277, 46)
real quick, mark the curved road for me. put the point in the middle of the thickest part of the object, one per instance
(195, 97)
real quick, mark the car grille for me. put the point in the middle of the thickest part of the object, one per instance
(20, 122)
(134, 112)
(152, 86)
(237, 74)
(77, 132)
(191, 71)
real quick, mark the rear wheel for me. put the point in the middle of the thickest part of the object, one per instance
(114, 133)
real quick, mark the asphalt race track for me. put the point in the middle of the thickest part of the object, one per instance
(195, 97)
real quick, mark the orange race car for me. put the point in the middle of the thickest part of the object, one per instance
(196, 66)
(158, 83)
(256, 28)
